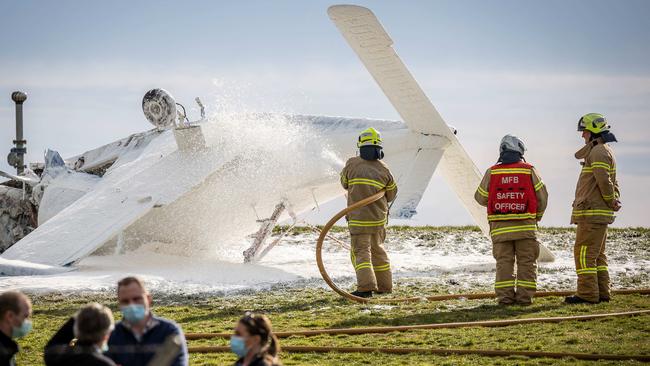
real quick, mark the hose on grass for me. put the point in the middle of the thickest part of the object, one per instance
(387, 300)
(403, 328)
(431, 351)
(436, 351)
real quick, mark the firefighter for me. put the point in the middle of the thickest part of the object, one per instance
(596, 200)
(516, 198)
(363, 176)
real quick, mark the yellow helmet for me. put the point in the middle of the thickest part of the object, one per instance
(369, 137)
(593, 122)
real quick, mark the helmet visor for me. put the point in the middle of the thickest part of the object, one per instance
(581, 125)
(600, 123)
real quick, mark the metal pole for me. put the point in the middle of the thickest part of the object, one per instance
(20, 150)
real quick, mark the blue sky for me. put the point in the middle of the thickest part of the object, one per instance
(604, 36)
(490, 67)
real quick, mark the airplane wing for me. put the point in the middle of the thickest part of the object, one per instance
(10, 267)
(366, 36)
(158, 176)
(32, 181)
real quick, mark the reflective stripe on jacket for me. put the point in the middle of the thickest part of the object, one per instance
(521, 226)
(597, 188)
(363, 178)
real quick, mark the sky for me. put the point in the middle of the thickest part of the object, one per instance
(530, 68)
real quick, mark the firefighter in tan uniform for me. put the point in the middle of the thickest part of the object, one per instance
(516, 198)
(362, 177)
(596, 200)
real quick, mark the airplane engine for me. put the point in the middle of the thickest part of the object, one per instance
(159, 108)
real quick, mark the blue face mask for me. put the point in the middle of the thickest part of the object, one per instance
(22, 330)
(104, 348)
(133, 313)
(237, 346)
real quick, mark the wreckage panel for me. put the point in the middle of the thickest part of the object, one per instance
(153, 178)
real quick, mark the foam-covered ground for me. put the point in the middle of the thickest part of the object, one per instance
(456, 257)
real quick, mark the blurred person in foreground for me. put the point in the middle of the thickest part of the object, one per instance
(140, 334)
(82, 339)
(15, 323)
(254, 342)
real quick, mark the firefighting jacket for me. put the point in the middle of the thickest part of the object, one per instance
(363, 178)
(524, 226)
(597, 188)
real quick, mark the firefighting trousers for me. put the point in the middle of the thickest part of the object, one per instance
(591, 261)
(520, 287)
(371, 262)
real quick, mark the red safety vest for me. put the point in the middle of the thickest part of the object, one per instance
(511, 193)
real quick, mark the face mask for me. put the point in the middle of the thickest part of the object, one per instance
(22, 330)
(133, 313)
(237, 346)
(104, 348)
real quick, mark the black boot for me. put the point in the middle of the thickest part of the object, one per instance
(577, 300)
(364, 294)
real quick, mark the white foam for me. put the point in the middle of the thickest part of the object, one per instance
(462, 258)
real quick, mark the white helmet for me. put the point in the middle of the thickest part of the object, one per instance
(512, 143)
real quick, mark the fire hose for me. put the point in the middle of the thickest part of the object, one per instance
(436, 351)
(323, 234)
(403, 328)
(432, 351)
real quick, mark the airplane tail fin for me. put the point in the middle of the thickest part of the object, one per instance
(374, 47)
(366, 36)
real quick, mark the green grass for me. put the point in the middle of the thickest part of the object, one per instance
(294, 309)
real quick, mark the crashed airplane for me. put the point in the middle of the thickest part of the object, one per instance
(153, 186)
